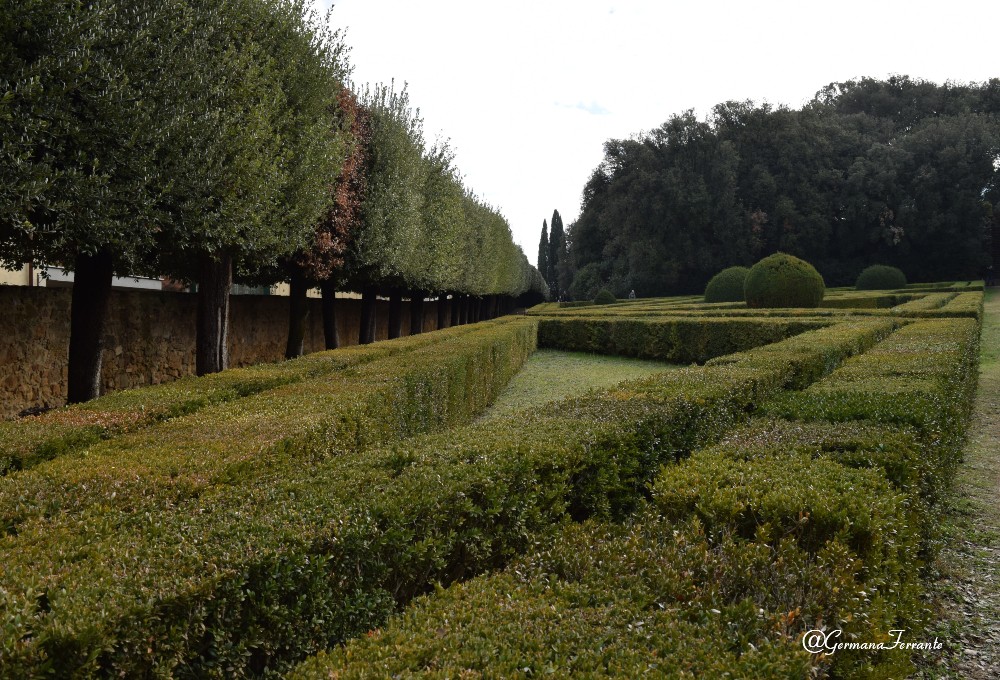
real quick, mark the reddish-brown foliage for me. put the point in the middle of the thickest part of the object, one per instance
(333, 233)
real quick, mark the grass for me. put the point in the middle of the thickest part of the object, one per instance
(966, 591)
(550, 375)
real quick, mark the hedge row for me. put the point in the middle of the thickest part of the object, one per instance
(880, 300)
(781, 528)
(923, 376)
(741, 557)
(926, 303)
(31, 440)
(246, 576)
(961, 305)
(676, 340)
(653, 599)
(440, 385)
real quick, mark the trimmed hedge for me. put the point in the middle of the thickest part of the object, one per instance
(727, 285)
(783, 280)
(675, 340)
(29, 441)
(651, 599)
(880, 277)
(297, 549)
(923, 376)
(802, 524)
(605, 297)
(440, 385)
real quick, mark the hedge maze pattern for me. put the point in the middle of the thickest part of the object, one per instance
(690, 524)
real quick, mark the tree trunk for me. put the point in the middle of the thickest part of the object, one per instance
(395, 313)
(366, 334)
(463, 310)
(215, 280)
(330, 332)
(88, 317)
(298, 314)
(455, 303)
(442, 309)
(416, 312)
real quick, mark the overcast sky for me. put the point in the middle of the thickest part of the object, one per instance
(528, 92)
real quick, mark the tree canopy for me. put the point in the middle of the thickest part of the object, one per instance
(898, 171)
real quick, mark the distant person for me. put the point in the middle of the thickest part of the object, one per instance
(631, 294)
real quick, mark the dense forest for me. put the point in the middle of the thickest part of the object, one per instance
(900, 171)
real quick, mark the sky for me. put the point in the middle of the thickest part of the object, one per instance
(528, 92)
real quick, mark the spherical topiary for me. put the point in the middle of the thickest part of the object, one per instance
(782, 280)
(727, 285)
(605, 297)
(880, 277)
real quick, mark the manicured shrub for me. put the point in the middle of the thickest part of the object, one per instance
(880, 277)
(783, 280)
(727, 285)
(605, 297)
(674, 339)
(32, 440)
(649, 599)
(237, 558)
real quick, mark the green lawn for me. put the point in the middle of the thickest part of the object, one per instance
(551, 374)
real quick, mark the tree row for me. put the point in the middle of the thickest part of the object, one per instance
(213, 142)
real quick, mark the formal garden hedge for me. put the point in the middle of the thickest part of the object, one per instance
(813, 516)
(728, 508)
(30, 440)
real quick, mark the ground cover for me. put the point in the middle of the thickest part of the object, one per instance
(549, 375)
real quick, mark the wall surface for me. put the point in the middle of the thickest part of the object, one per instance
(150, 338)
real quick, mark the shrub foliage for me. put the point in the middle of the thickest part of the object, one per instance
(880, 277)
(783, 280)
(727, 285)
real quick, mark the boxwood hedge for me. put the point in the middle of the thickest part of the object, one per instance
(791, 525)
(31, 440)
(241, 567)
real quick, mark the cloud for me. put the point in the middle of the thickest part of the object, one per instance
(593, 108)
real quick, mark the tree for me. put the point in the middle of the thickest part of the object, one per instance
(557, 254)
(543, 252)
(97, 103)
(258, 150)
(899, 171)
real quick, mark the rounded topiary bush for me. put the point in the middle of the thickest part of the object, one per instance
(727, 285)
(880, 277)
(604, 297)
(783, 280)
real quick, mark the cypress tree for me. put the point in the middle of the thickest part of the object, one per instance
(543, 251)
(557, 251)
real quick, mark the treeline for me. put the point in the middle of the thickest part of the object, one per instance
(214, 142)
(900, 171)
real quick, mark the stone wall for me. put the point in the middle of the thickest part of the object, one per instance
(150, 338)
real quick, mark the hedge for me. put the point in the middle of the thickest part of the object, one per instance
(650, 599)
(802, 524)
(676, 340)
(31, 440)
(923, 376)
(440, 385)
(741, 558)
(291, 550)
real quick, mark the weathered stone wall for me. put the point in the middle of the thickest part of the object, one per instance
(150, 338)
